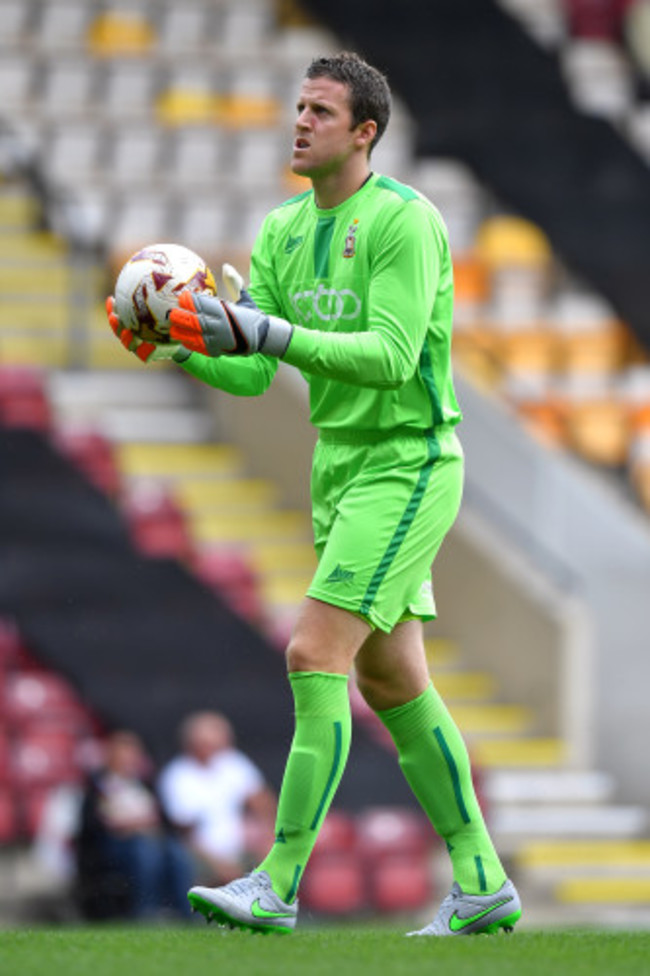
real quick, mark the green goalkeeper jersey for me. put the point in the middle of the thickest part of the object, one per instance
(369, 287)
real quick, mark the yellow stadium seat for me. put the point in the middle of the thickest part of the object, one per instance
(506, 240)
(122, 34)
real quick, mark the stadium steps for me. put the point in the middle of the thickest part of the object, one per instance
(41, 322)
(52, 312)
(586, 874)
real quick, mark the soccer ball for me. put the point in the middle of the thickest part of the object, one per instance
(149, 284)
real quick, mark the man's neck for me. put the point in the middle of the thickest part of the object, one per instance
(335, 188)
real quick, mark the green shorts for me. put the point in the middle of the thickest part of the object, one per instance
(381, 508)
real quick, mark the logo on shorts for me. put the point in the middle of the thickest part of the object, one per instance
(340, 575)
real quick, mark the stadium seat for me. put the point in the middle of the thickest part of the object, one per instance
(67, 87)
(74, 154)
(93, 454)
(337, 835)
(16, 83)
(128, 89)
(157, 524)
(204, 222)
(400, 883)
(120, 33)
(42, 758)
(42, 699)
(62, 25)
(135, 154)
(229, 573)
(184, 27)
(23, 398)
(194, 157)
(334, 885)
(140, 218)
(5, 757)
(600, 19)
(8, 823)
(387, 831)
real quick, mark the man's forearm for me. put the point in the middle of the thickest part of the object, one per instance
(360, 358)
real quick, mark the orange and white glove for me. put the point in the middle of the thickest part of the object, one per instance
(208, 325)
(147, 352)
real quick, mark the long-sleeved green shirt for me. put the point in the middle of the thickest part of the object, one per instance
(369, 288)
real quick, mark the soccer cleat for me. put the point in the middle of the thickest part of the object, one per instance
(247, 903)
(462, 914)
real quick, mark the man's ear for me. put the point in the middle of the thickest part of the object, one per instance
(366, 132)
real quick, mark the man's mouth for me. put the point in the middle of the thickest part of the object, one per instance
(301, 143)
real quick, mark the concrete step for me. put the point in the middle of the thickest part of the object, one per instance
(234, 495)
(630, 890)
(554, 857)
(491, 719)
(72, 391)
(271, 526)
(441, 654)
(173, 462)
(548, 786)
(281, 556)
(519, 753)
(18, 244)
(532, 822)
(465, 686)
(18, 210)
(165, 425)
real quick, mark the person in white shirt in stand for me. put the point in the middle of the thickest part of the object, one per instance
(217, 798)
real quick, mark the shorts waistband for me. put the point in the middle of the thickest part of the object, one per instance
(357, 436)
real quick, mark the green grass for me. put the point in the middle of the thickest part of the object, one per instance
(118, 951)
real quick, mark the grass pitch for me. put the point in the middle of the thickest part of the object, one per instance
(118, 951)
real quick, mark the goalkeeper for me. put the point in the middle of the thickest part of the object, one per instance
(351, 283)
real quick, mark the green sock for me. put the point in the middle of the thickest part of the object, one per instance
(314, 768)
(434, 760)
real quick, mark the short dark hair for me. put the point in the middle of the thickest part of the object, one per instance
(369, 92)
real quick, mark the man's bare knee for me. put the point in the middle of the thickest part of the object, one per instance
(374, 691)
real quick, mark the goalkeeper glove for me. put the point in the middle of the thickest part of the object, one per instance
(213, 327)
(147, 352)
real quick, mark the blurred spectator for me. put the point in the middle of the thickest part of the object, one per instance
(129, 864)
(218, 798)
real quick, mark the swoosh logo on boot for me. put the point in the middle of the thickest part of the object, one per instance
(258, 912)
(457, 924)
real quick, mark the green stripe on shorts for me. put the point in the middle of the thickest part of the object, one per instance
(403, 526)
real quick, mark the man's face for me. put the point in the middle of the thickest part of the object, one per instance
(324, 138)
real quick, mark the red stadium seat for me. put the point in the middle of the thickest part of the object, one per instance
(388, 831)
(8, 823)
(334, 885)
(44, 758)
(595, 19)
(157, 524)
(229, 574)
(400, 883)
(41, 698)
(5, 762)
(337, 835)
(94, 455)
(23, 399)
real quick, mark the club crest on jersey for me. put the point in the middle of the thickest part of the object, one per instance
(351, 240)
